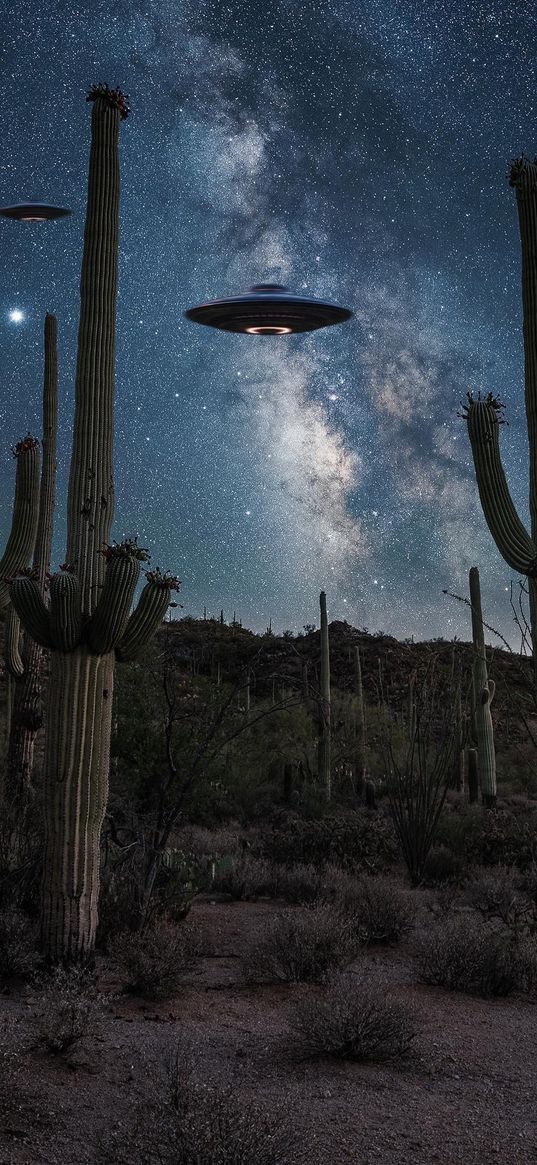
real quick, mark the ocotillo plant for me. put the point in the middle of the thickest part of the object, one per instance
(483, 693)
(484, 416)
(324, 706)
(26, 667)
(88, 624)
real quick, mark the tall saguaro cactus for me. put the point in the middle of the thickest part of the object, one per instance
(324, 705)
(26, 668)
(88, 623)
(484, 416)
(483, 694)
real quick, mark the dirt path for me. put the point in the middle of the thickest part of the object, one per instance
(466, 1096)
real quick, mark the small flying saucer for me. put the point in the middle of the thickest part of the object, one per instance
(268, 310)
(33, 212)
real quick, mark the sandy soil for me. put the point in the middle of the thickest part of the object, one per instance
(466, 1095)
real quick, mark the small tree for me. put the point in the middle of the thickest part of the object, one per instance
(419, 771)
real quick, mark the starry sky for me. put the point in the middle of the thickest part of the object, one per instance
(354, 149)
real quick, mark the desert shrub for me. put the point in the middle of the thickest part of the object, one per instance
(456, 826)
(465, 954)
(442, 865)
(155, 961)
(496, 893)
(338, 886)
(298, 884)
(121, 898)
(382, 911)
(354, 1021)
(68, 1009)
(243, 876)
(502, 837)
(18, 944)
(379, 910)
(302, 945)
(359, 840)
(527, 882)
(192, 1121)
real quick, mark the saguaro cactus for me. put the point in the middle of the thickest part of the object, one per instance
(88, 622)
(17, 555)
(21, 539)
(484, 416)
(324, 705)
(483, 693)
(358, 760)
(26, 667)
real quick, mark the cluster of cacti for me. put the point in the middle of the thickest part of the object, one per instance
(88, 622)
(483, 415)
(325, 780)
(483, 694)
(24, 659)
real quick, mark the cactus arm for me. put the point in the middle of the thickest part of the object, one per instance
(523, 177)
(65, 611)
(512, 539)
(111, 615)
(146, 618)
(28, 602)
(21, 540)
(12, 653)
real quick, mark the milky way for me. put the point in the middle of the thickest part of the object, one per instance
(356, 151)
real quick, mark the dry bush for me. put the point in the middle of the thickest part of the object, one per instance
(337, 885)
(205, 844)
(380, 911)
(155, 961)
(244, 877)
(302, 945)
(120, 900)
(193, 1122)
(19, 953)
(442, 865)
(69, 1008)
(353, 1020)
(496, 893)
(355, 840)
(466, 954)
(379, 908)
(299, 884)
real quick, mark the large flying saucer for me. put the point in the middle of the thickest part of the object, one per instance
(33, 212)
(268, 310)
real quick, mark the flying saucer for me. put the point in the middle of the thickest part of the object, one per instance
(268, 310)
(33, 211)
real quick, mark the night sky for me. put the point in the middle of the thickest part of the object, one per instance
(355, 150)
